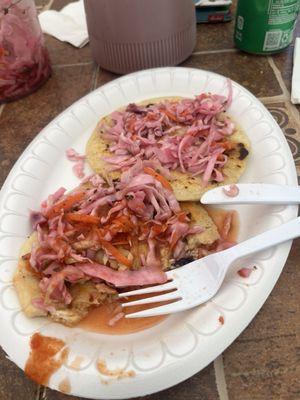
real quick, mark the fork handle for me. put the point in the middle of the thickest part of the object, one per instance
(280, 234)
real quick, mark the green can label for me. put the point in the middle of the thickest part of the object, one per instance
(265, 26)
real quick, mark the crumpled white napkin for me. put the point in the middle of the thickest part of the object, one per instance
(67, 25)
(295, 95)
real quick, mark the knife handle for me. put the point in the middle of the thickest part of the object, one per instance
(254, 193)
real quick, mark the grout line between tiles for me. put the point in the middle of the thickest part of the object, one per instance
(278, 76)
(1, 109)
(196, 53)
(95, 78)
(263, 373)
(272, 99)
(220, 378)
(38, 393)
(43, 393)
(48, 6)
(287, 336)
(291, 107)
(293, 110)
(82, 64)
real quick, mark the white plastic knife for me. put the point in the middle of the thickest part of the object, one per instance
(254, 193)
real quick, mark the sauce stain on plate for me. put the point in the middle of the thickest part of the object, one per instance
(65, 386)
(219, 217)
(98, 320)
(117, 373)
(76, 363)
(46, 357)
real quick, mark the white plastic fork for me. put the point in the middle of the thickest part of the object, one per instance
(197, 282)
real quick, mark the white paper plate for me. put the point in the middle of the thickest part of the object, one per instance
(185, 343)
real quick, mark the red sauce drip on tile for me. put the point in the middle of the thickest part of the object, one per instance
(46, 357)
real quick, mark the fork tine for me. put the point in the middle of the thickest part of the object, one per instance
(152, 289)
(166, 309)
(153, 299)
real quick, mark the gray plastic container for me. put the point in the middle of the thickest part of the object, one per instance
(128, 35)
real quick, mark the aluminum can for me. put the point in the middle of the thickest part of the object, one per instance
(265, 26)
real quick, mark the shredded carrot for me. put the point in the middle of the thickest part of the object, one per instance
(170, 115)
(66, 204)
(175, 239)
(158, 229)
(113, 251)
(120, 242)
(84, 218)
(150, 117)
(123, 220)
(181, 217)
(159, 177)
(120, 224)
(144, 229)
(228, 145)
(185, 112)
(131, 125)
